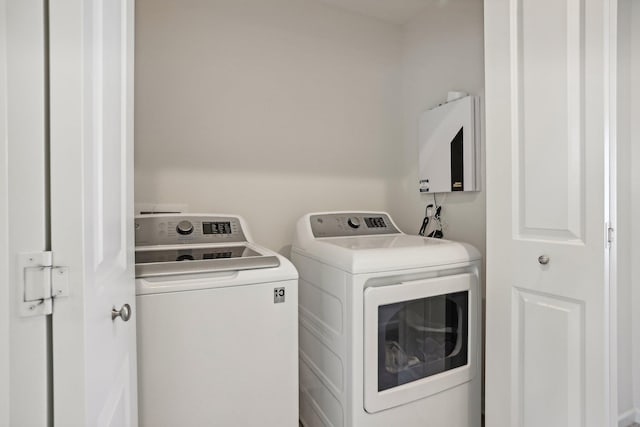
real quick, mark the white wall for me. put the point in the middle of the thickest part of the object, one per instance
(267, 109)
(271, 109)
(442, 51)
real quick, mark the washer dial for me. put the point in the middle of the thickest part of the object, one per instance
(184, 227)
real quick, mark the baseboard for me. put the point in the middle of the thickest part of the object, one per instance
(628, 418)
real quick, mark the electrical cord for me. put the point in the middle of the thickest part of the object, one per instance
(435, 220)
(425, 221)
(423, 228)
(437, 232)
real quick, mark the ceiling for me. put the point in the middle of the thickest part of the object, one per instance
(394, 11)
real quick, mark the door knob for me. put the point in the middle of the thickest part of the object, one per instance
(543, 259)
(124, 313)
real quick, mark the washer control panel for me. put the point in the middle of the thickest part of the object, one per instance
(187, 229)
(351, 224)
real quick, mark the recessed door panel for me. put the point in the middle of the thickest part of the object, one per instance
(548, 69)
(549, 359)
(109, 133)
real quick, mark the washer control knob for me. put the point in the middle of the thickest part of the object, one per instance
(543, 259)
(184, 227)
(353, 222)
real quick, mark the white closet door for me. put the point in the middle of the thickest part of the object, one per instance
(547, 254)
(91, 99)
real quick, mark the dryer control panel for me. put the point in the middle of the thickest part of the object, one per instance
(187, 229)
(351, 224)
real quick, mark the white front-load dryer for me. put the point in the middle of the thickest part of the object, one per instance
(389, 325)
(216, 325)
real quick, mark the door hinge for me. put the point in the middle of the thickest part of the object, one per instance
(40, 283)
(610, 235)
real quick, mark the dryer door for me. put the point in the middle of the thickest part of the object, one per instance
(419, 339)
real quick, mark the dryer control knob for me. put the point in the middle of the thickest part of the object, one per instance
(353, 222)
(184, 227)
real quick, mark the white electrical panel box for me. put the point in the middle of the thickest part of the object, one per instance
(448, 147)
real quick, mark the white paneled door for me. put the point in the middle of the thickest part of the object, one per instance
(91, 150)
(547, 180)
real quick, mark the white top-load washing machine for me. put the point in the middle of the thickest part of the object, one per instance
(216, 325)
(389, 325)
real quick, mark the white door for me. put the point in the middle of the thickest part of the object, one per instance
(91, 111)
(547, 257)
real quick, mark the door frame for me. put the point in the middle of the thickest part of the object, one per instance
(611, 197)
(618, 222)
(5, 325)
(25, 380)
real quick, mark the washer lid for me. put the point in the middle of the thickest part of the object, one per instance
(369, 254)
(163, 261)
